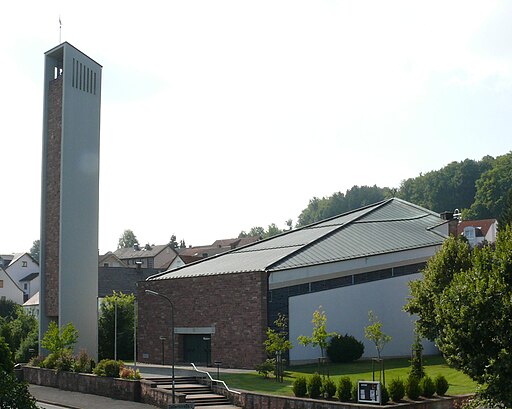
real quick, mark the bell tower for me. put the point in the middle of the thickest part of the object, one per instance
(69, 194)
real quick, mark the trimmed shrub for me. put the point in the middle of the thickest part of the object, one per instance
(36, 361)
(109, 368)
(129, 373)
(412, 388)
(299, 386)
(427, 387)
(396, 390)
(83, 363)
(328, 388)
(353, 392)
(266, 367)
(441, 385)
(315, 386)
(384, 395)
(345, 389)
(64, 361)
(344, 348)
(50, 361)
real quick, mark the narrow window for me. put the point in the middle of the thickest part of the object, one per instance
(1, 283)
(24, 264)
(94, 83)
(81, 75)
(73, 75)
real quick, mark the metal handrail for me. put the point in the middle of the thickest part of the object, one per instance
(215, 380)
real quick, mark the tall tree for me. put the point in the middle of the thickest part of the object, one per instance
(338, 203)
(492, 189)
(127, 240)
(506, 215)
(34, 250)
(172, 242)
(106, 326)
(470, 313)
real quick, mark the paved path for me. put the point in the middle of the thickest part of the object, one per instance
(77, 400)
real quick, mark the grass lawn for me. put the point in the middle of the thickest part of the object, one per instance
(362, 370)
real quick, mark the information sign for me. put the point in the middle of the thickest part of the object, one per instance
(368, 392)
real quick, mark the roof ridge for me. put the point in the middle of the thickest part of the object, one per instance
(371, 208)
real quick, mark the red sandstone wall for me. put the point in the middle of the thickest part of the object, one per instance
(53, 149)
(236, 304)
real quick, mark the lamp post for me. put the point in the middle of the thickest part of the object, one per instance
(151, 292)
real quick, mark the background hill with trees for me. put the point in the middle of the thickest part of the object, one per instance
(480, 189)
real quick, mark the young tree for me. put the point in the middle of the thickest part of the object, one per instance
(471, 316)
(320, 336)
(373, 333)
(58, 340)
(106, 326)
(127, 240)
(277, 343)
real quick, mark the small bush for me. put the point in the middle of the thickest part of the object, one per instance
(129, 373)
(384, 395)
(265, 368)
(299, 386)
(328, 388)
(396, 390)
(36, 361)
(412, 388)
(109, 368)
(64, 361)
(50, 361)
(441, 385)
(344, 348)
(315, 386)
(427, 387)
(83, 363)
(345, 389)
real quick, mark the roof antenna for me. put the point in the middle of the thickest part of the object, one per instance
(60, 30)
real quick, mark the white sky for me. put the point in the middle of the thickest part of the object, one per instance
(222, 115)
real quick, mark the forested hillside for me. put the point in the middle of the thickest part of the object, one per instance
(480, 189)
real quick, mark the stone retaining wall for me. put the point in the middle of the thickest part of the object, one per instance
(116, 388)
(250, 400)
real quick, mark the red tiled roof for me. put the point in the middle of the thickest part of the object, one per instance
(484, 225)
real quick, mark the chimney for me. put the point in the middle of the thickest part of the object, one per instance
(453, 223)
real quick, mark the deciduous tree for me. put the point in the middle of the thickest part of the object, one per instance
(471, 312)
(320, 336)
(127, 240)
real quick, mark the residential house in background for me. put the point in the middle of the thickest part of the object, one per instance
(159, 257)
(478, 231)
(9, 289)
(24, 271)
(218, 247)
(5, 259)
(31, 306)
(109, 259)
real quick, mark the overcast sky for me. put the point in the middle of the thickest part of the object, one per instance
(222, 115)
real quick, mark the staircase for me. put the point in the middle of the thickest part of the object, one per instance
(197, 393)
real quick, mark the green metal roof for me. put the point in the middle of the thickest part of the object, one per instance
(385, 227)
